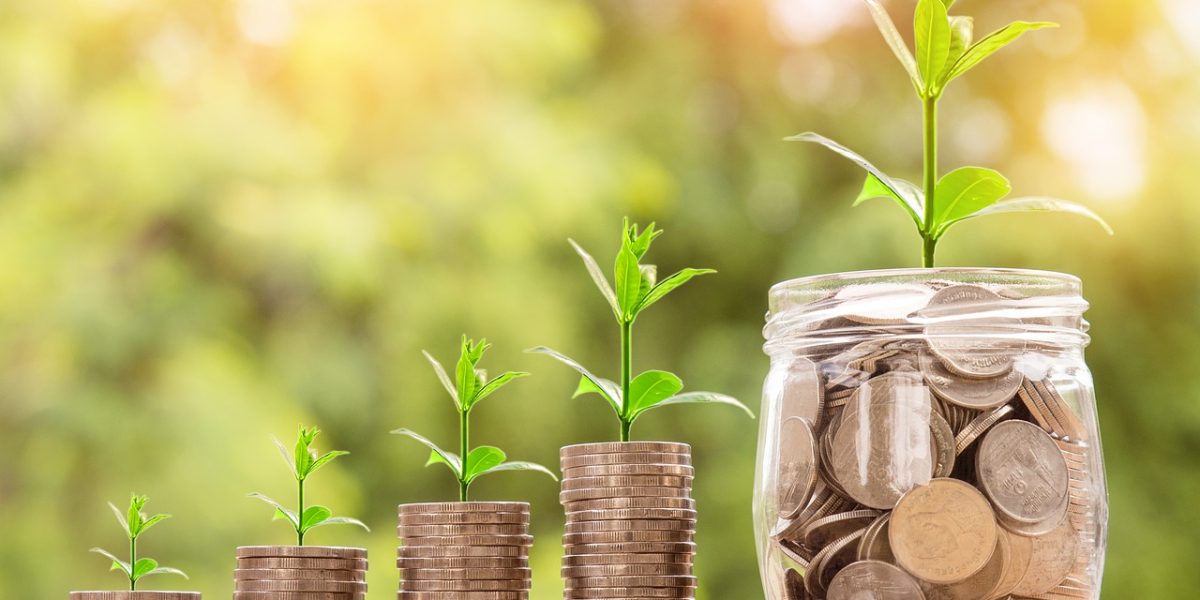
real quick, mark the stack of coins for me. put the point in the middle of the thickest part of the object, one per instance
(294, 572)
(631, 520)
(128, 595)
(935, 458)
(464, 551)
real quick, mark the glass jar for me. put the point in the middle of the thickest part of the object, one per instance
(929, 433)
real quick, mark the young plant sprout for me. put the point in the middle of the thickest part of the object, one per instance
(135, 524)
(304, 461)
(636, 290)
(470, 385)
(945, 51)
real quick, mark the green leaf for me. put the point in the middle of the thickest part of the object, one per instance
(639, 243)
(464, 373)
(698, 398)
(665, 286)
(303, 455)
(628, 279)
(1042, 204)
(117, 564)
(152, 521)
(340, 521)
(962, 30)
(447, 458)
(281, 511)
(287, 455)
(989, 45)
(597, 274)
(313, 514)
(874, 188)
(896, 42)
(324, 459)
(444, 378)
(143, 567)
(648, 277)
(964, 191)
(932, 27)
(490, 387)
(607, 389)
(168, 571)
(519, 466)
(652, 387)
(482, 459)
(120, 518)
(134, 514)
(913, 203)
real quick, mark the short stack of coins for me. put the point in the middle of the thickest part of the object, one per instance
(933, 458)
(464, 551)
(138, 595)
(300, 573)
(631, 520)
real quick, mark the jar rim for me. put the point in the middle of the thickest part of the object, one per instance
(1065, 281)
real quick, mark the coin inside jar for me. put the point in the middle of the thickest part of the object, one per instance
(968, 392)
(1022, 472)
(943, 532)
(969, 345)
(798, 467)
(883, 447)
(874, 580)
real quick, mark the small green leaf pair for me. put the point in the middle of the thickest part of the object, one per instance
(945, 50)
(303, 461)
(471, 385)
(636, 289)
(135, 523)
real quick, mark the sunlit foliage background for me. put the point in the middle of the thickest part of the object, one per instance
(222, 218)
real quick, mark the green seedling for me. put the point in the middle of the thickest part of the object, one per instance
(946, 50)
(303, 462)
(637, 288)
(135, 523)
(469, 386)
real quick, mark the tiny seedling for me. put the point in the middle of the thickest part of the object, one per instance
(304, 461)
(636, 290)
(469, 386)
(135, 524)
(946, 49)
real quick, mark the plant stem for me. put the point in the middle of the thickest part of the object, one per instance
(132, 562)
(626, 376)
(930, 180)
(300, 515)
(464, 437)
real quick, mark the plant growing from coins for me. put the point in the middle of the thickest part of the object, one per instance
(303, 461)
(469, 386)
(135, 523)
(945, 50)
(636, 289)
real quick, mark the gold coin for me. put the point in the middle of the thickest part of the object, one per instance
(407, 531)
(967, 344)
(630, 525)
(463, 585)
(139, 595)
(614, 537)
(1022, 472)
(611, 481)
(627, 592)
(463, 562)
(463, 507)
(626, 558)
(623, 503)
(650, 581)
(677, 514)
(1050, 561)
(238, 595)
(625, 569)
(980, 585)
(487, 595)
(624, 447)
(633, 548)
(463, 518)
(469, 540)
(519, 573)
(334, 564)
(568, 496)
(630, 469)
(943, 532)
(299, 585)
(462, 551)
(327, 574)
(625, 458)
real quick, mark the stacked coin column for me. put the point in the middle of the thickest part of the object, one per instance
(128, 595)
(630, 520)
(464, 551)
(282, 572)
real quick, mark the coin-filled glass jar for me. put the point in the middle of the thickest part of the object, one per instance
(929, 434)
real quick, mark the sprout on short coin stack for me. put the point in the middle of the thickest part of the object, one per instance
(631, 518)
(466, 550)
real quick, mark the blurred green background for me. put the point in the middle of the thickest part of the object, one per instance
(222, 218)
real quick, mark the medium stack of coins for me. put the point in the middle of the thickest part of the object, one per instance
(464, 551)
(300, 572)
(631, 520)
(934, 457)
(128, 595)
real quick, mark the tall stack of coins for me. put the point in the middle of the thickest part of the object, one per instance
(135, 595)
(464, 551)
(930, 441)
(631, 520)
(296, 572)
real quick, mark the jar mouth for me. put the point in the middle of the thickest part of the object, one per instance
(988, 304)
(1065, 282)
